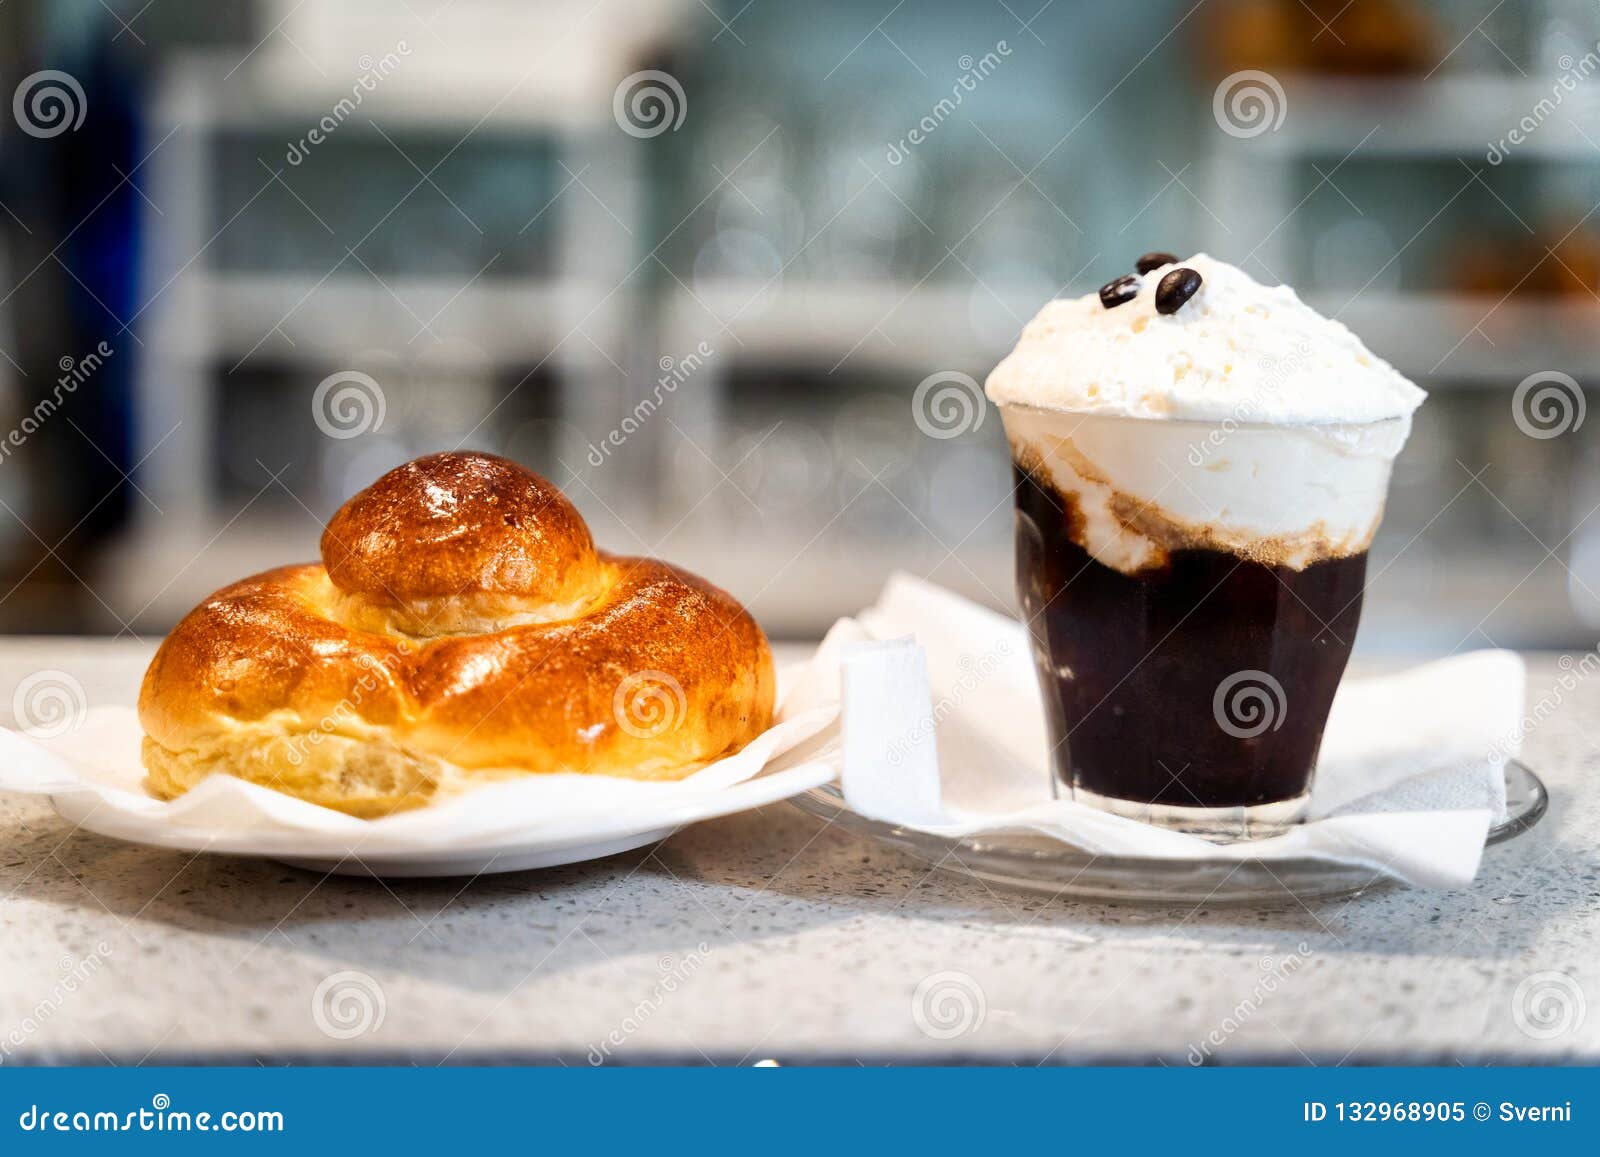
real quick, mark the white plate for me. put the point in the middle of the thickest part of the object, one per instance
(93, 777)
(339, 853)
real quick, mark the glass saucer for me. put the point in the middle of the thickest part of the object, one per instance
(1037, 864)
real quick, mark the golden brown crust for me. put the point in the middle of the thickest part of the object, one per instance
(460, 524)
(276, 678)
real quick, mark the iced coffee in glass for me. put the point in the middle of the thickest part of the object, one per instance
(1201, 463)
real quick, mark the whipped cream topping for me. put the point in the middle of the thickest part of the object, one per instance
(1237, 350)
(1134, 491)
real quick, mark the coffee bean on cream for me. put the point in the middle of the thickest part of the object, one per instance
(1151, 262)
(1119, 291)
(1176, 288)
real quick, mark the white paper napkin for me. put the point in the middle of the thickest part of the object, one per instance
(1410, 779)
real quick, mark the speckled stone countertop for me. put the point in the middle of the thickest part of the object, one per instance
(770, 935)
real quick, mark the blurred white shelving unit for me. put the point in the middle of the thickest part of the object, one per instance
(861, 341)
(1448, 341)
(1476, 340)
(1439, 116)
(918, 326)
(580, 321)
(1473, 339)
(1328, 121)
(893, 332)
(203, 317)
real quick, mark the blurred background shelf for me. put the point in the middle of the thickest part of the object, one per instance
(909, 324)
(140, 588)
(1451, 340)
(710, 330)
(1446, 115)
(326, 319)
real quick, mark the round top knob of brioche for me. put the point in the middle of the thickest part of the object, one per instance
(461, 524)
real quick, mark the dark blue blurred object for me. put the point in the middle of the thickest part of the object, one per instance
(98, 215)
